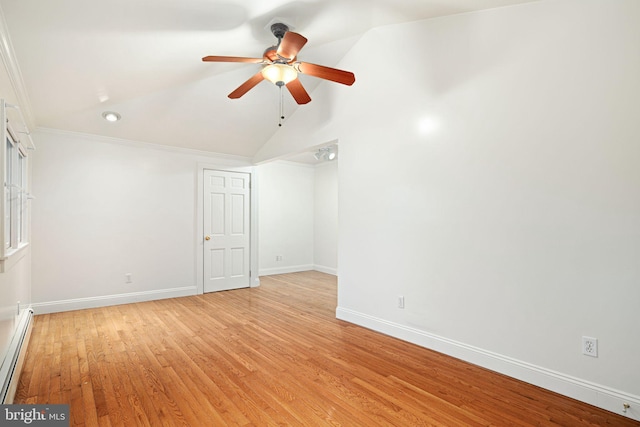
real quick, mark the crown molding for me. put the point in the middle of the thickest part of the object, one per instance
(13, 71)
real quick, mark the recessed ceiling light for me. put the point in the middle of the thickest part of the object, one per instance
(111, 116)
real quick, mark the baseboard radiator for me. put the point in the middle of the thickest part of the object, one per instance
(12, 365)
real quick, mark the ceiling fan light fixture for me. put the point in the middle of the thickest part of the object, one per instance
(277, 73)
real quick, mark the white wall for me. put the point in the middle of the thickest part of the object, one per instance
(298, 220)
(105, 208)
(286, 217)
(325, 224)
(14, 287)
(15, 281)
(494, 183)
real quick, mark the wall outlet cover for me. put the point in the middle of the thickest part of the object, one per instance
(590, 346)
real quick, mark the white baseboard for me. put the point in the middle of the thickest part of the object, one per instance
(575, 388)
(328, 270)
(285, 270)
(103, 301)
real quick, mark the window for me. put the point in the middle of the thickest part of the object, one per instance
(15, 194)
(13, 159)
(7, 195)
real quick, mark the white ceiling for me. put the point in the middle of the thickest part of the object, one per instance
(142, 58)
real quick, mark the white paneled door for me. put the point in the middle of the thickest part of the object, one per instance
(226, 230)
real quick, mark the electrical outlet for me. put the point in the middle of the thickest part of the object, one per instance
(400, 301)
(278, 257)
(590, 346)
(127, 278)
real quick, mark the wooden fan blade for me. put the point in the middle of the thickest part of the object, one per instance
(327, 73)
(290, 45)
(232, 59)
(247, 86)
(298, 92)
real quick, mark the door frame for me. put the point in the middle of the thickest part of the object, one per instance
(254, 279)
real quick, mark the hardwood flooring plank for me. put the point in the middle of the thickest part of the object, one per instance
(268, 356)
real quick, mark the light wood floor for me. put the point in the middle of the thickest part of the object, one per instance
(273, 355)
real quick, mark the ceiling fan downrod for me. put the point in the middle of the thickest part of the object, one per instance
(279, 29)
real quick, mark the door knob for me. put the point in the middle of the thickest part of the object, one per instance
(207, 238)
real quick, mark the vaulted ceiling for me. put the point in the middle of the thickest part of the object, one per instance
(142, 59)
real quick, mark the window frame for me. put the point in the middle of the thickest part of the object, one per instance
(13, 203)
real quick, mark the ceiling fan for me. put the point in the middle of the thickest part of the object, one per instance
(281, 67)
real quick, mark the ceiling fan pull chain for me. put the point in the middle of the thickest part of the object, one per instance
(281, 106)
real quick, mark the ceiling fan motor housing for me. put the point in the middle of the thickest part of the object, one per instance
(278, 29)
